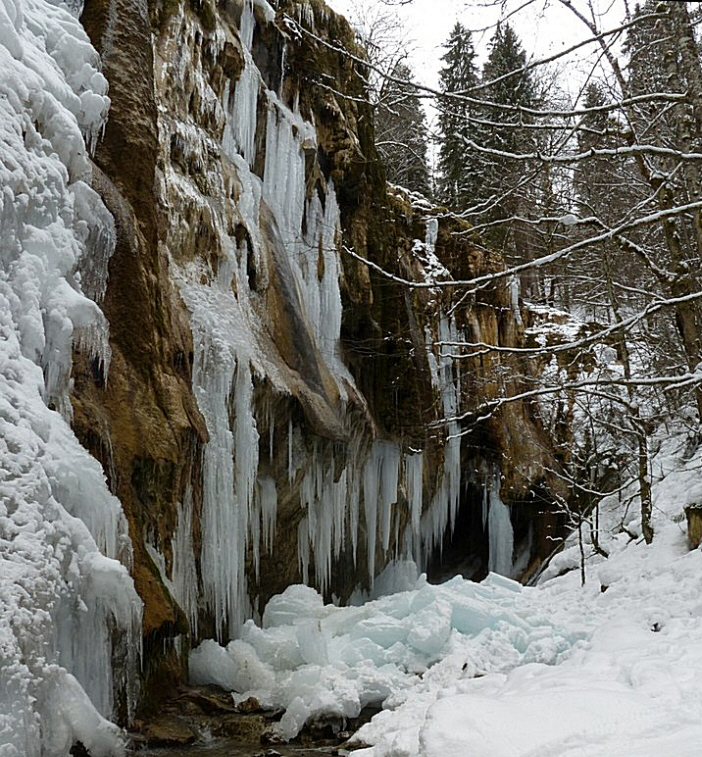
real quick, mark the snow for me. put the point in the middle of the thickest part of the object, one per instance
(325, 660)
(425, 250)
(608, 668)
(627, 682)
(68, 608)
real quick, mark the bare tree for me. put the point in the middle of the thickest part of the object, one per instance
(610, 230)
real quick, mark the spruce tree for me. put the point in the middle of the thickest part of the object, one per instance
(510, 187)
(506, 85)
(401, 132)
(459, 178)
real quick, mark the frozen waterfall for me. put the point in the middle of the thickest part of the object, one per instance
(67, 604)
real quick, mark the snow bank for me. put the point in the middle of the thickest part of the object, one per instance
(631, 689)
(629, 686)
(63, 593)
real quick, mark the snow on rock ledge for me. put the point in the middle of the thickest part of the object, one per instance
(63, 591)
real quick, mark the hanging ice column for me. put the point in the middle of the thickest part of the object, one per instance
(380, 479)
(496, 518)
(223, 385)
(240, 129)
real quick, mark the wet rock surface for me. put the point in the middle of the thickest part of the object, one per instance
(205, 721)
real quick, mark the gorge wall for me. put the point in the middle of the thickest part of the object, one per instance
(270, 407)
(274, 407)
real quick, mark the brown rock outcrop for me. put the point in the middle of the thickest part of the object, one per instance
(189, 187)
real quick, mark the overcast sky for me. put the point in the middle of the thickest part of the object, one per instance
(544, 28)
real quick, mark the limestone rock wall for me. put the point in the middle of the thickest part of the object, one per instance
(276, 409)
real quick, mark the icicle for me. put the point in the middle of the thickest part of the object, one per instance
(95, 224)
(371, 494)
(70, 616)
(94, 341)
(291, 459)
(323, 535)
(305, 15)
(283, 63)
(254, 538)
(247, 25)
(284, 170)
(496, 517)
(85, 634)
(303, 550)
(432, 233)
(354, 494)
(390, 474)
(240, 129)
(513, 283)
(269, 509)
(184, 570)
(414, 466)
(271, 432)
(340, 503)
(428, 528)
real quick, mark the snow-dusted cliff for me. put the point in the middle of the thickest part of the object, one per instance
(267, 409)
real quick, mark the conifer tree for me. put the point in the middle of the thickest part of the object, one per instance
(506, 85)
(505, 190)
(459, 177)
(401, 132)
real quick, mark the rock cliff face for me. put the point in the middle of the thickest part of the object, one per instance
(276, 410)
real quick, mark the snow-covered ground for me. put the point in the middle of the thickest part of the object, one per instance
(612, 668)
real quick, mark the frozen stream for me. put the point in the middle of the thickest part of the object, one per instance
(612, 667)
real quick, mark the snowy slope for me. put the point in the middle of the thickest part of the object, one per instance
(496, 669)
(62, 589)
(630, 686)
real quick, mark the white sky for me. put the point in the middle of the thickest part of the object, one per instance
(544, 28)
(428, 24)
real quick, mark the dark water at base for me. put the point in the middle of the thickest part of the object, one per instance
(233, 749)
(223, 730)
(237, 749)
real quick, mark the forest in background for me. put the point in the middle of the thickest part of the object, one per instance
(583, 169)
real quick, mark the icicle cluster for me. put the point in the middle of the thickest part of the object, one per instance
(333, 508)
(239, 511)
(293, 235)
(441, 514)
